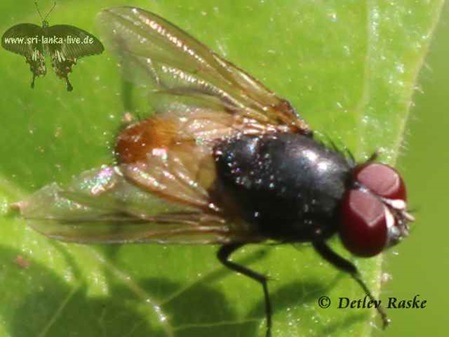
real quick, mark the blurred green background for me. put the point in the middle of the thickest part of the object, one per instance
(50, 135)
(422, 265)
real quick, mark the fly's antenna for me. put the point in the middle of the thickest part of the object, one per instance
(48, 13)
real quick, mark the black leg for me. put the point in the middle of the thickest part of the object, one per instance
(340, 263)
(69, 85)
(223, 256)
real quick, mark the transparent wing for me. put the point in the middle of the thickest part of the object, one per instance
(101, 206)
(162, 189)
(157, 54)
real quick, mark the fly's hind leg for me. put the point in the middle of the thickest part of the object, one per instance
(223, 256)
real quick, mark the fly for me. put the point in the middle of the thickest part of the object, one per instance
(222, 161)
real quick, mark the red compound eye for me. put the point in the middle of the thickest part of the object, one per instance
(382, 180)
(363, 223)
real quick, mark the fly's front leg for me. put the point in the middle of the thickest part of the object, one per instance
(344, 265)
(223, 256)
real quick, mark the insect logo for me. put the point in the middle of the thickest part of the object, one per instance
(64, 43)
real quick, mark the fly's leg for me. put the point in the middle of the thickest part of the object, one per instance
(223, 256)
(344, 265)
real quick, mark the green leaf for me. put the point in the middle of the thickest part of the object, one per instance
(349, 67)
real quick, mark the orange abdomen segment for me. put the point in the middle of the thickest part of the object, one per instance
(139, 140)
